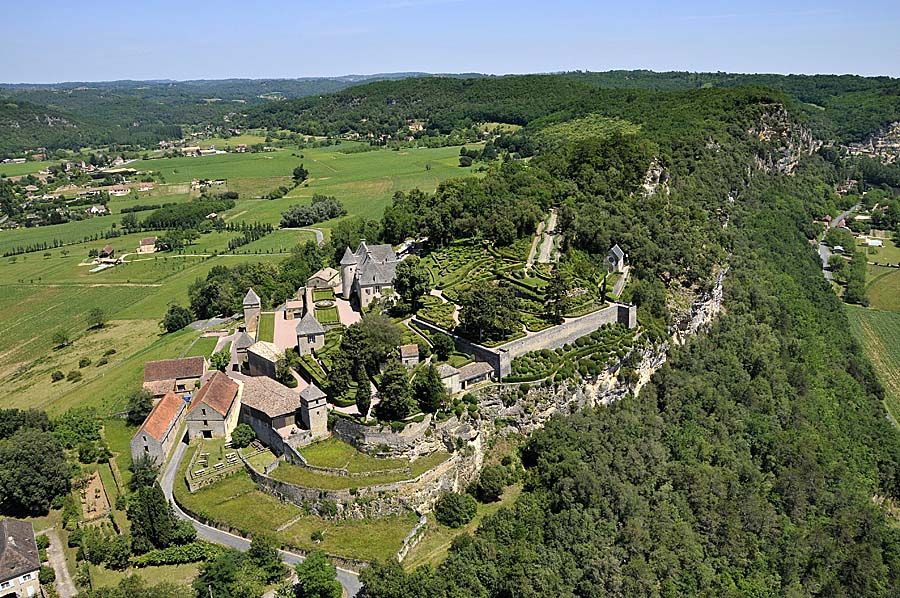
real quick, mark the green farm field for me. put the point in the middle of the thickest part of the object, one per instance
(879, 333)
(883, 287)
(25, 168)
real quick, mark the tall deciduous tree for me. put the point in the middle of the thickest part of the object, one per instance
(317, 578)
(395, 402)
(33, 471)
(557, 295)
(428, 390)
(139, 405)
(489, 311)
(411, 281)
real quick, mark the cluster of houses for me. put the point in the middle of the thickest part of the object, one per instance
(884, 146)
(210, 404)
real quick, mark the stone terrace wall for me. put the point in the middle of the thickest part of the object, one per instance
(383, 499)
(550, 338)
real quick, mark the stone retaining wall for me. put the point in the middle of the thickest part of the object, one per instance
(551, 338)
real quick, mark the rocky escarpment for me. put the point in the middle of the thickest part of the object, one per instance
(786, 141)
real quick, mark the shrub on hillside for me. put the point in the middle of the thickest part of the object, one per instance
(455, 510)
(242, 436)
(491, 483)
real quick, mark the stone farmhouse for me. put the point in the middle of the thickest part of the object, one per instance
(148, 245)
(456, 380)
(409, 355)
(159, 432)
(174, 375)
(280, 416)
(243, 342)
(214, 409)
(19, 560)
(368, 273)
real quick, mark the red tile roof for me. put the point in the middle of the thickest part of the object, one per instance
(161, 417)
(172, 369)
(218, 393)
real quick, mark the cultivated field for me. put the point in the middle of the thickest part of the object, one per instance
(879, 333)
(883, 288)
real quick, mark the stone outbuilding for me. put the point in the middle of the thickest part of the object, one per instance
(326, 278)
(215, 408)
(147, 245)
(449, 376)
(20, 561)
(313, 410)
(409, 355)
(615, 259)
(174, 375)
(262, 359)
(268, 406)
(310, 334)
(159, 432)
(473, 373)
(243, 342)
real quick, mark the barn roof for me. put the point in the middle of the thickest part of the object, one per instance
(173, 369)
(218, 393)
(162, 416)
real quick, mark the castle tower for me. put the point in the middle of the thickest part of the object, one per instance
(313, 411)
(348, 271)
(252, 306)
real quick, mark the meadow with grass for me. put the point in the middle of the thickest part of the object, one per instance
(879, 333)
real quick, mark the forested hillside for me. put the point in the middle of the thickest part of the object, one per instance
(844, 108)
(757, 460)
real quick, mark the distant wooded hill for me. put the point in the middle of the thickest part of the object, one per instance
(844, 108)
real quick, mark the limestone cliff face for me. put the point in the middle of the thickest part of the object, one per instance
(785, 140)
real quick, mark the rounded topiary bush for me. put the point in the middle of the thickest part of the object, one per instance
(454, 510)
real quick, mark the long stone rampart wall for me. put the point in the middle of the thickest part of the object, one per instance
(554, 337)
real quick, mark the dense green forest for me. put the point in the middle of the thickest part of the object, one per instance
(756, 461)
(846, 108)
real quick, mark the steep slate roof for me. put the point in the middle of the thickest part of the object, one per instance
(171, 369)
(312, 393)
(265, 350)
(162, 416)
(379, 253)
(271, 397)
(409, 350)
(617, 251)
(243, 341)
(18, 550)
(474, 370)
(251, 298)
(372, 273)
(309, 325)
(349, 259)
(445, 370)
(219, 393)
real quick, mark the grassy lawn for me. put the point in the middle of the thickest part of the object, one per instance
(888, 254)
(118, 434)
(183, 575)
(433, 548)
(236, 501)
(279, 241)
(339, 455)
(9, 170)
(327, 315)
(367, 539)
(203, 347)
(883, 288)
(323, 295)
(266, 327)
(879, 331)
(293, 474)
(261, 460)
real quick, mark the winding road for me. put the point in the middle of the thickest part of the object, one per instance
(348, 579)
(824, 252)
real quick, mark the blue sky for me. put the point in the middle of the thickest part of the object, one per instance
(91, 40)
